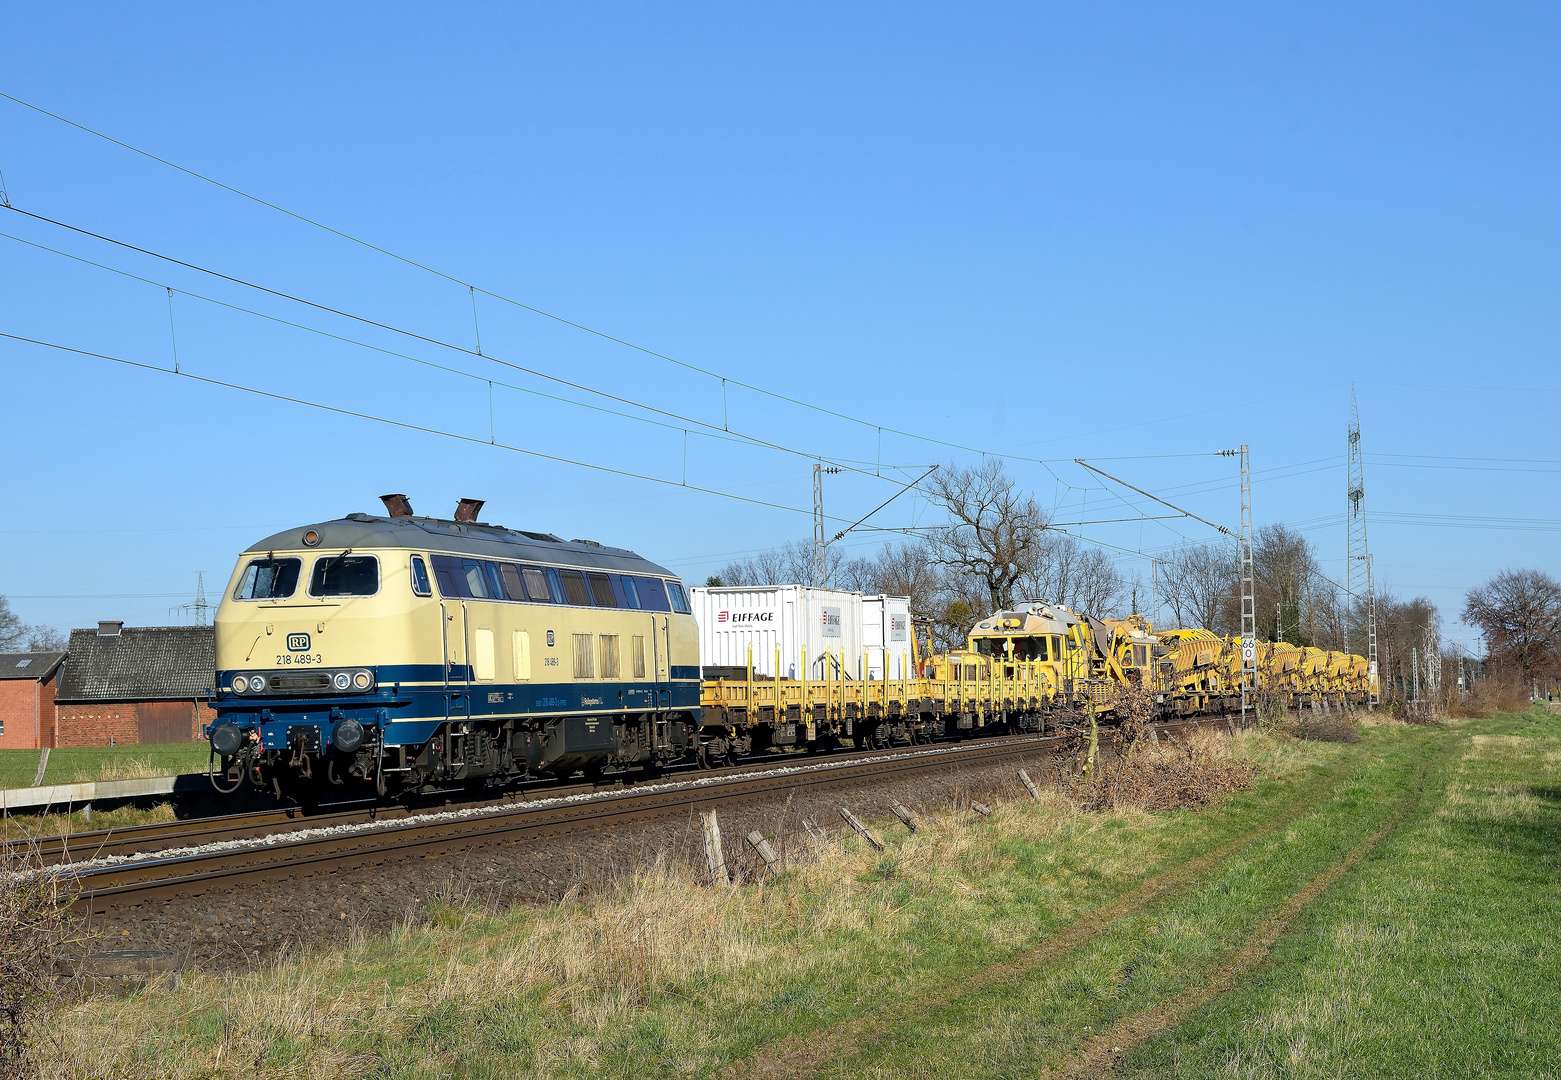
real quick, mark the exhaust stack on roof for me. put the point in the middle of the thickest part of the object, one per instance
(468, 509)
(397, 505)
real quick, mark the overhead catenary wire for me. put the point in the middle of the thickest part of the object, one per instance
(414, 335)
(720, 437)
(407, 425)
(825, 410)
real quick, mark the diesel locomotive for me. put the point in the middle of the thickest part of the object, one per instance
(409, 653)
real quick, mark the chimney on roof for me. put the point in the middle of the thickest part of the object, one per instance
(397, 505)
(110, 627)
(468, 509)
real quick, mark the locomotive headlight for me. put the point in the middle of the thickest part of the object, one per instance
(342, 681)
(240, 684)
(257, 684)
(362, 680)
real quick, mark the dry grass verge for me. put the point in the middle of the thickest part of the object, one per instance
(664, 974)
(33, 903)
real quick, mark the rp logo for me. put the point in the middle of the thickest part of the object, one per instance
(298, 642)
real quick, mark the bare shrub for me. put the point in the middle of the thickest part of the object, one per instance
(1149, 772)
(1487, 697)
(33, 925)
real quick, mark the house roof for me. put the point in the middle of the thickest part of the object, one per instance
(29, 665)
(140, 663)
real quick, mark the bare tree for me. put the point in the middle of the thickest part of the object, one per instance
(1073, 574)
(994, 529)
(1519, 612)
(1197, 584)
(16, 635)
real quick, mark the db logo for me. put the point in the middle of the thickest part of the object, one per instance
(298, 642)
(722, 617)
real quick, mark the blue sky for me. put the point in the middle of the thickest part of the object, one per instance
(1105, 231)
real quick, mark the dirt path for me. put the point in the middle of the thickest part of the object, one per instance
(800, 1056)
(1101, 1054)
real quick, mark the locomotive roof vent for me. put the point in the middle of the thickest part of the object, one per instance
(397, 505)
(467, 510)
(110, 627)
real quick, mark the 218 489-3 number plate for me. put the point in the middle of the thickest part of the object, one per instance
(297, 659)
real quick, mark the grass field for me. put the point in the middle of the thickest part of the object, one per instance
(77, 764)
(1383, 908)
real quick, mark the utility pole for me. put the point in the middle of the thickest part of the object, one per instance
(1357, 566)
(1371, 634)
(820, 567)
(1248, 592)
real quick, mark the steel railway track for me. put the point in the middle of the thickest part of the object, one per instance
(181, 878)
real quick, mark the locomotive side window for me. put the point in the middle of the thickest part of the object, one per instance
(344, 575)
(482, 654)
(269, 579)
(631, 596)
(452, 583)
(513, 588)
(536, 585)
(679, 600)
(609, 652)
(522, 651)
(574, 587)
(473, 572)
(601, 590)
(420, 585)
(653, 594)
(554, 589)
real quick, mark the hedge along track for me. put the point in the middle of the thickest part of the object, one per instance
(182, 876)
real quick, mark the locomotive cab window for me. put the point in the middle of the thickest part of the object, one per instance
(269, 579)
(679, 600)
(344, 575)
(420, 586)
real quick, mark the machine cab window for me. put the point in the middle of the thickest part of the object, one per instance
(269, 579)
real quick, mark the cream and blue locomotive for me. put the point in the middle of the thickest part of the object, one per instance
(411, 653)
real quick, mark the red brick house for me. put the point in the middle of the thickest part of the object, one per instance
(135, 684)
(27, 686)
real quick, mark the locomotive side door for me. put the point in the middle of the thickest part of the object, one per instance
(457, 674)
(661, 638)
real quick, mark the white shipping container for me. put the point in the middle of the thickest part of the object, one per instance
(886, 635)
(793, 617)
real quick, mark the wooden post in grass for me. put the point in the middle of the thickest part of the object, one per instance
(715, 856)
(861, 829)
(1029, 785)
(904, 815)
(981, 808)
(762, 848)
(43, 765)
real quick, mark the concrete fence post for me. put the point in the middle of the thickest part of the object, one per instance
(861, 829)
(762, 848)
(715, 855)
